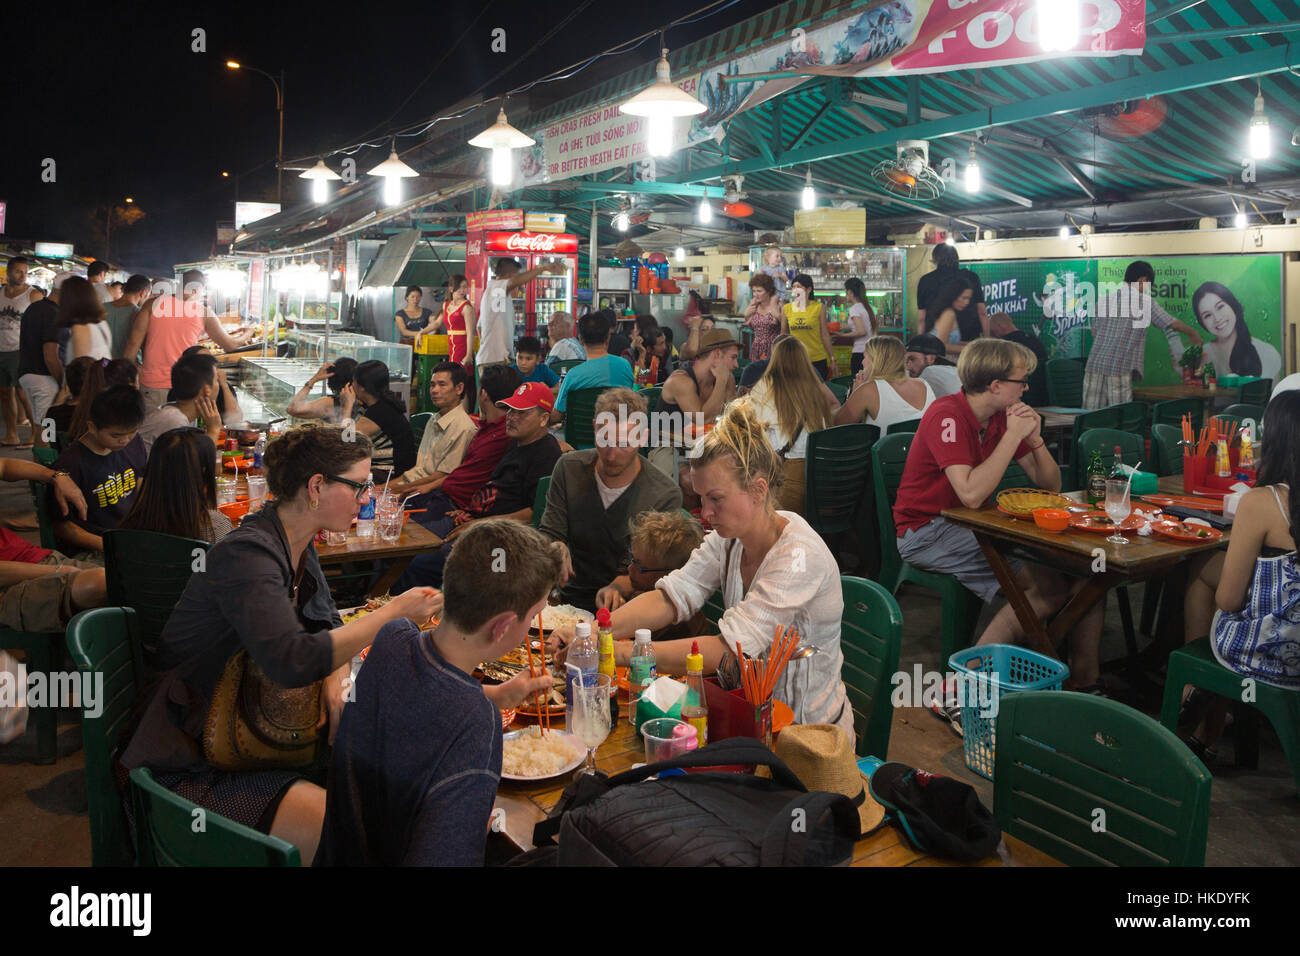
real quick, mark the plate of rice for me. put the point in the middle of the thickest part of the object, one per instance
(528, 755)
(560, 615)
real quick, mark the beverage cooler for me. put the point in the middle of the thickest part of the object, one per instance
(539, 299)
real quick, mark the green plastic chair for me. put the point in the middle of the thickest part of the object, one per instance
(147, 572)
(843, 380)
(1165, 445)
(841, 392)
(1015, 477)
(580, 417)
(104, 641)
(908, 426)
(1065, 383)
(1074, 474)
(539, 500)
(836, 473)
(1256, 392)
(651, 396)
(45, 456)
(1133, 417)
(1172, 412)
(714, 608)
(43, 655)
(41, 499)
(1196, 664)
(961, 608)
(1132, 448)
(165, 835)
(1254, 412)
(871, 634)
(419, 422)
(1061, 757)
(563, 365)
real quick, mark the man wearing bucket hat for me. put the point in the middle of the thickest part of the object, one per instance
(926, 360)
(698, 390)
(821, 756)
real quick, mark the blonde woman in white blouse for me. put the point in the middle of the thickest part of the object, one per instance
(773, 571)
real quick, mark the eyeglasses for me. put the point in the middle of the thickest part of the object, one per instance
(1015, 381)
(363, 487)
(642, 569)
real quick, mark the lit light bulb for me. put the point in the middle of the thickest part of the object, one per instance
(1065, 232)
(1058, 24)
(705, 212)
(680, 254)
(809, 198)
(951, 239)
(973, 178)
(1240, 220)
(392, 190)
(1260, 141)
(319, 191)
(659, 139)
(621, 221)
(502, 170)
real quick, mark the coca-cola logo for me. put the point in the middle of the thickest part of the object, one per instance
(532, 242)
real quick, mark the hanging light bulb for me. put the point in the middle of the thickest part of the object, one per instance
(1260, 141)
(659, 103)
(502, 139)
(951, 239)
(394, 171)
(973, 178)
(680, 254)
(320, 174)
(1239, 220)
(1058, 24)
(809, 198)
(705, 213)
(1065, 232)
(621, 220)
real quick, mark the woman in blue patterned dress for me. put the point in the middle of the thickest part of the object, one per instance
(1255, 586)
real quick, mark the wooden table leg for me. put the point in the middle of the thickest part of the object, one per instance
(1093, 590)
(389, 577)
(1033, 627)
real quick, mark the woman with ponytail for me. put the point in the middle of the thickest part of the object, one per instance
(773, 570)
(384, 422)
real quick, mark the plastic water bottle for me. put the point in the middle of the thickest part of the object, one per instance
(258, 449)
(366, 517)
(582, 662)
(641, 671)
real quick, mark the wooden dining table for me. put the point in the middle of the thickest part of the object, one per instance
(1167, 393)
(414, 540)
(523, 805)
(1077, 554)
(1058, 427)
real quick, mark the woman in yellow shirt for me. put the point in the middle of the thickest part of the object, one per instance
(803, 318)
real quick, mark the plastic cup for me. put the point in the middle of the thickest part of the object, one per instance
(337, 538)
(256, 492)
(226, 490)
(660, 741)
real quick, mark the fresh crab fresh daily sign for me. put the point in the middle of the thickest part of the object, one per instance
(893, 37)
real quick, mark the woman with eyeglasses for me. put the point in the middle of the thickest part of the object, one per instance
(262, 591)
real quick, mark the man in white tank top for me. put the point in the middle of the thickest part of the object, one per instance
(15, 297)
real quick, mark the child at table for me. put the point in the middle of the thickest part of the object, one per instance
(1245, 598)
(417, 759)
(661, 542)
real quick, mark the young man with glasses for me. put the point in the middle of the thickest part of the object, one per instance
(595, 494)
(961, 451)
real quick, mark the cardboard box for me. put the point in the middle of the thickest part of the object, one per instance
(833, 227)
(544, 222)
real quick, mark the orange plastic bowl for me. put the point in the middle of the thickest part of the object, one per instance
(235, 510)
(1052, 519)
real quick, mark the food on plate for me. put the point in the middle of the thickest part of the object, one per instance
(534, 754)
(560, 615)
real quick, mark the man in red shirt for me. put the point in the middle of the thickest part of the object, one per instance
(960, 453)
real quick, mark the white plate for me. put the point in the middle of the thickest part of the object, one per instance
(559, 773)
(578, 613)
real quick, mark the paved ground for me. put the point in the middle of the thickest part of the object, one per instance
(1254, 815)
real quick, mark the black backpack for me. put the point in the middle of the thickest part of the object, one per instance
(698, 819)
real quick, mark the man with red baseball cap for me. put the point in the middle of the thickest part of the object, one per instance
(509, 493)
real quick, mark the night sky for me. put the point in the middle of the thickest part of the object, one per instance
(121, 103)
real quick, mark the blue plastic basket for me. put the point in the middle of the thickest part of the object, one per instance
(992, 670)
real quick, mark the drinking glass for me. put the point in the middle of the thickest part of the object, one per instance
(1118, 506)
(591, 716)
(388, 515)
(256, 492)
(226, 490)
(337, 538)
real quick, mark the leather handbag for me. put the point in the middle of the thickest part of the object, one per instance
(255, 724)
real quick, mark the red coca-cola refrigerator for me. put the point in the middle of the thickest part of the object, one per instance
(537, 301)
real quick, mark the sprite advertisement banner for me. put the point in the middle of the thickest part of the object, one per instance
(1233, 302)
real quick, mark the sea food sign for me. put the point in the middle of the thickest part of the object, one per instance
(890, 38)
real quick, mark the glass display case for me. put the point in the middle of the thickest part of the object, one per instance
(883, 272)
(273, 381)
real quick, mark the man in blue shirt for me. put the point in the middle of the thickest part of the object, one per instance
(528, 354)
(601, 370)
(417, 761)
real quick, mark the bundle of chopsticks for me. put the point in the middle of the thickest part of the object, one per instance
(758, 677)
(543, 704)
(1203, 443)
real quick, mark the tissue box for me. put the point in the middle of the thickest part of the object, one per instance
(647, 709)
(1144, 483)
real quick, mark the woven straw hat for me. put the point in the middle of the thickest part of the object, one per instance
(822, 757)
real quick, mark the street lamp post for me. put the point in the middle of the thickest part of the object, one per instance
(279, 106)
